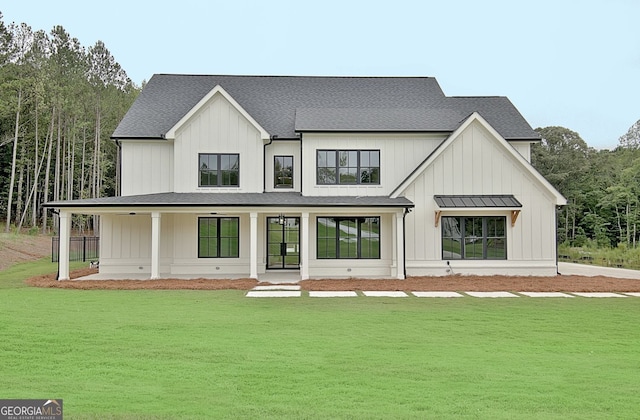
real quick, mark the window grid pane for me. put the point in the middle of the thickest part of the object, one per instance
(218, 170)
(345, 167)
(348, 238)
(218, 237)
(474, 237)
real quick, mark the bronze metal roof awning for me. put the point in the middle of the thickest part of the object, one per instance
(505, 201)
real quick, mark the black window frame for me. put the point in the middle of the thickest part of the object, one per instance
(219, 238)
(358, 166)
(359, 220)
(219, 171)
(487, 239)
(277, 174)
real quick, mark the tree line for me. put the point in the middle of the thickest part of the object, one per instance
(59, 103)
(602, 186)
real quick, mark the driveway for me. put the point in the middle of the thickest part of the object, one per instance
(594, 270)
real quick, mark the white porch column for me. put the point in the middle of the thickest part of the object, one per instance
(155, 244)
(253, 246)
(64, 234)
(304, 245)
(399, 245)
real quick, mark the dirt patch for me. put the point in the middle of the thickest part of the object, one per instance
(19, 248)
(451, 283)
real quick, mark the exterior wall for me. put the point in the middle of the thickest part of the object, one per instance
(283, 148)
(524, 148)
(147, 166)
(399, 155)
(218, 127)
(476, 163)
(125, 243)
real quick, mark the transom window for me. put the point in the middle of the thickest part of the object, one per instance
(348, 167)
(474, 238)
(348, 237)
(219, 170)
(283, 171)
(218, 237)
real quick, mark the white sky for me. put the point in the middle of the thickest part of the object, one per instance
(570, 63)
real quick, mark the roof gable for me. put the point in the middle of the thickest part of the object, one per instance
(498, 139)
(218, 90)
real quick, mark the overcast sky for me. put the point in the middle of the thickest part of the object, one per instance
(570, 63)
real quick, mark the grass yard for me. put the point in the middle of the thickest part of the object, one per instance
(217, 354)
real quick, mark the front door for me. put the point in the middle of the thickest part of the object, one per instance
(283, 242)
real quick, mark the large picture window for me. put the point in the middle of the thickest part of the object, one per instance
(219, 170)
(474, 238)
(218, 237)
(348, 238)
(348, 167)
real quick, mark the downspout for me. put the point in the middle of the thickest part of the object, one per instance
(264, 163)
(406, 211)
(119, 167)
(555, 219)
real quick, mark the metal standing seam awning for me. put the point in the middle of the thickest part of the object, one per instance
(504, 201)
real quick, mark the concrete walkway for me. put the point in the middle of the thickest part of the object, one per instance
(572, 269)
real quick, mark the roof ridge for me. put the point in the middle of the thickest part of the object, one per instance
(292, 76)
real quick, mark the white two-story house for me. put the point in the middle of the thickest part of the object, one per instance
(237, 176)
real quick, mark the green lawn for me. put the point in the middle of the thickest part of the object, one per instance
(217, 354)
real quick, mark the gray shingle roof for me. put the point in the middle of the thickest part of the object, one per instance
(467, 201)
(232, 200)
(284, 104)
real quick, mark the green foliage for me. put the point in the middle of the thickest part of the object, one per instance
(602, 188)
(72, 99)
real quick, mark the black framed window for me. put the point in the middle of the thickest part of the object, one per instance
(348, 167)
(348, 238)
(219, 170)
(218, 237)
(283, 171)
(474, 238)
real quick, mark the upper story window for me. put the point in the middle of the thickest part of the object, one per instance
(283, 172)
(219, 170)
(348, 167)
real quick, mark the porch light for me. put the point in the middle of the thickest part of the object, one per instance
(281, 219)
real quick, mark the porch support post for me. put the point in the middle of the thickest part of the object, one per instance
(253, 246)
(399, 245)
(155, 245)
(304, 246)
(64, 227)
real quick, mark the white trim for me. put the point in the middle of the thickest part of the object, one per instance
(304, 237)
(253, 245)
(64, 227)
(155, 244)
(171, 134)
(560, 200)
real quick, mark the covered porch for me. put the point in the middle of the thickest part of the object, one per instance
(168, 249)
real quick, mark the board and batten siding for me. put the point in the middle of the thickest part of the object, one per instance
(477, 163)
(283, 148)
(125, 243)
(218, 127)
(146, 167)
(399, 155)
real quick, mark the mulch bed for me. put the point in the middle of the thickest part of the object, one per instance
(449, 283)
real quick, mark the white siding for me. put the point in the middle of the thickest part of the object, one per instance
(524, 148)
(147, 166)
(399, 155)
(218, 127)
(476, 163)
(283, 148)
